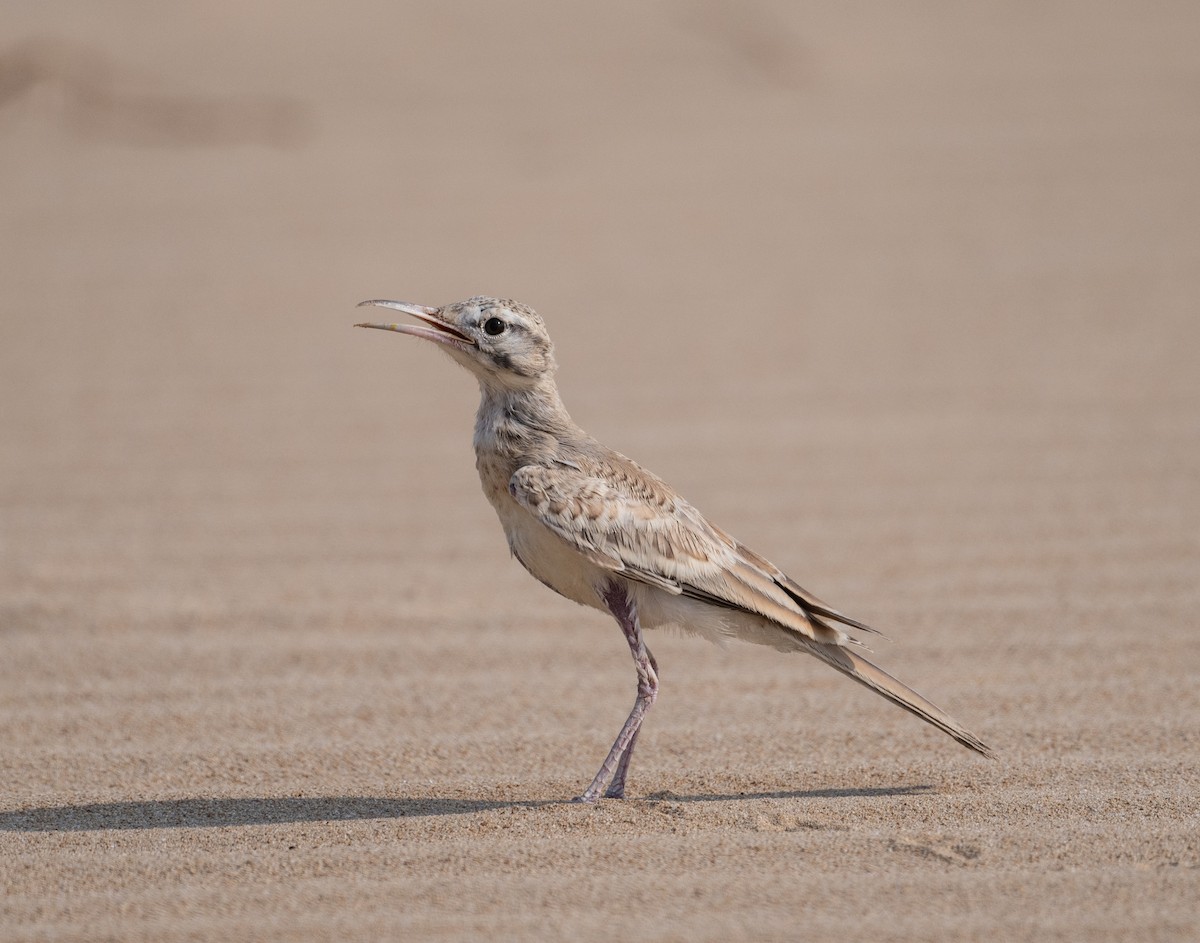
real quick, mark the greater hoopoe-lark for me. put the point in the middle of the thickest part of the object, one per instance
(604, 532)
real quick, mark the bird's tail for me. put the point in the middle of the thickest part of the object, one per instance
(872, 676)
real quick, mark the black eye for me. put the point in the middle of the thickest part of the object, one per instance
(494, 326)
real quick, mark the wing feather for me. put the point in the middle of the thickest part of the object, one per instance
(625, 520)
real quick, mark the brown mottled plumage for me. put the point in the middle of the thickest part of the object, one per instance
(599, 529)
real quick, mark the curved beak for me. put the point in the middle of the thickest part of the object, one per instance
(437, 329)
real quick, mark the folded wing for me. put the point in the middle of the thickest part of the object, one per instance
(624, 519)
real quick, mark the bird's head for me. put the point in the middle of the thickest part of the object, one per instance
(504, 343)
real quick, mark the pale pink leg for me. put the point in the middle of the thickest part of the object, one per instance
(616, 764)
(616, 789)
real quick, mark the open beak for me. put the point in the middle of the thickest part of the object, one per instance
(437, 329)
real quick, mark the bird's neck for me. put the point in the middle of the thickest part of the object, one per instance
(522, 425)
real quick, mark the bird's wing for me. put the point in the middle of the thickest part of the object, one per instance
(625, 520)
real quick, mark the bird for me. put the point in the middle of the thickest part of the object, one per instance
(599, 529)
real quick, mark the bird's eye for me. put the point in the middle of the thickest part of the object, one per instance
(494, 326)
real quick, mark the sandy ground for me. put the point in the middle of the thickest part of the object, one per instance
(907, 300)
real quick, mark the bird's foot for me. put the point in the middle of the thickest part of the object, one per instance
(594, 793)
(591, 798)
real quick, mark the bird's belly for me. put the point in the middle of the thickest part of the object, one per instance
(549, 558)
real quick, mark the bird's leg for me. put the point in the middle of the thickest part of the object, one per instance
(617, 599)
(616, 789)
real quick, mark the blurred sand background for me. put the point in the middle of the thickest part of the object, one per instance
(906, 297)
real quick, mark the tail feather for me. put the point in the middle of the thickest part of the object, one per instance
(872, 676)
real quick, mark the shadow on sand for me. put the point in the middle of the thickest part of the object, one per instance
(217, 813)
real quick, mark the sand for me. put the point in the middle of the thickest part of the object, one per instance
(906, 299)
